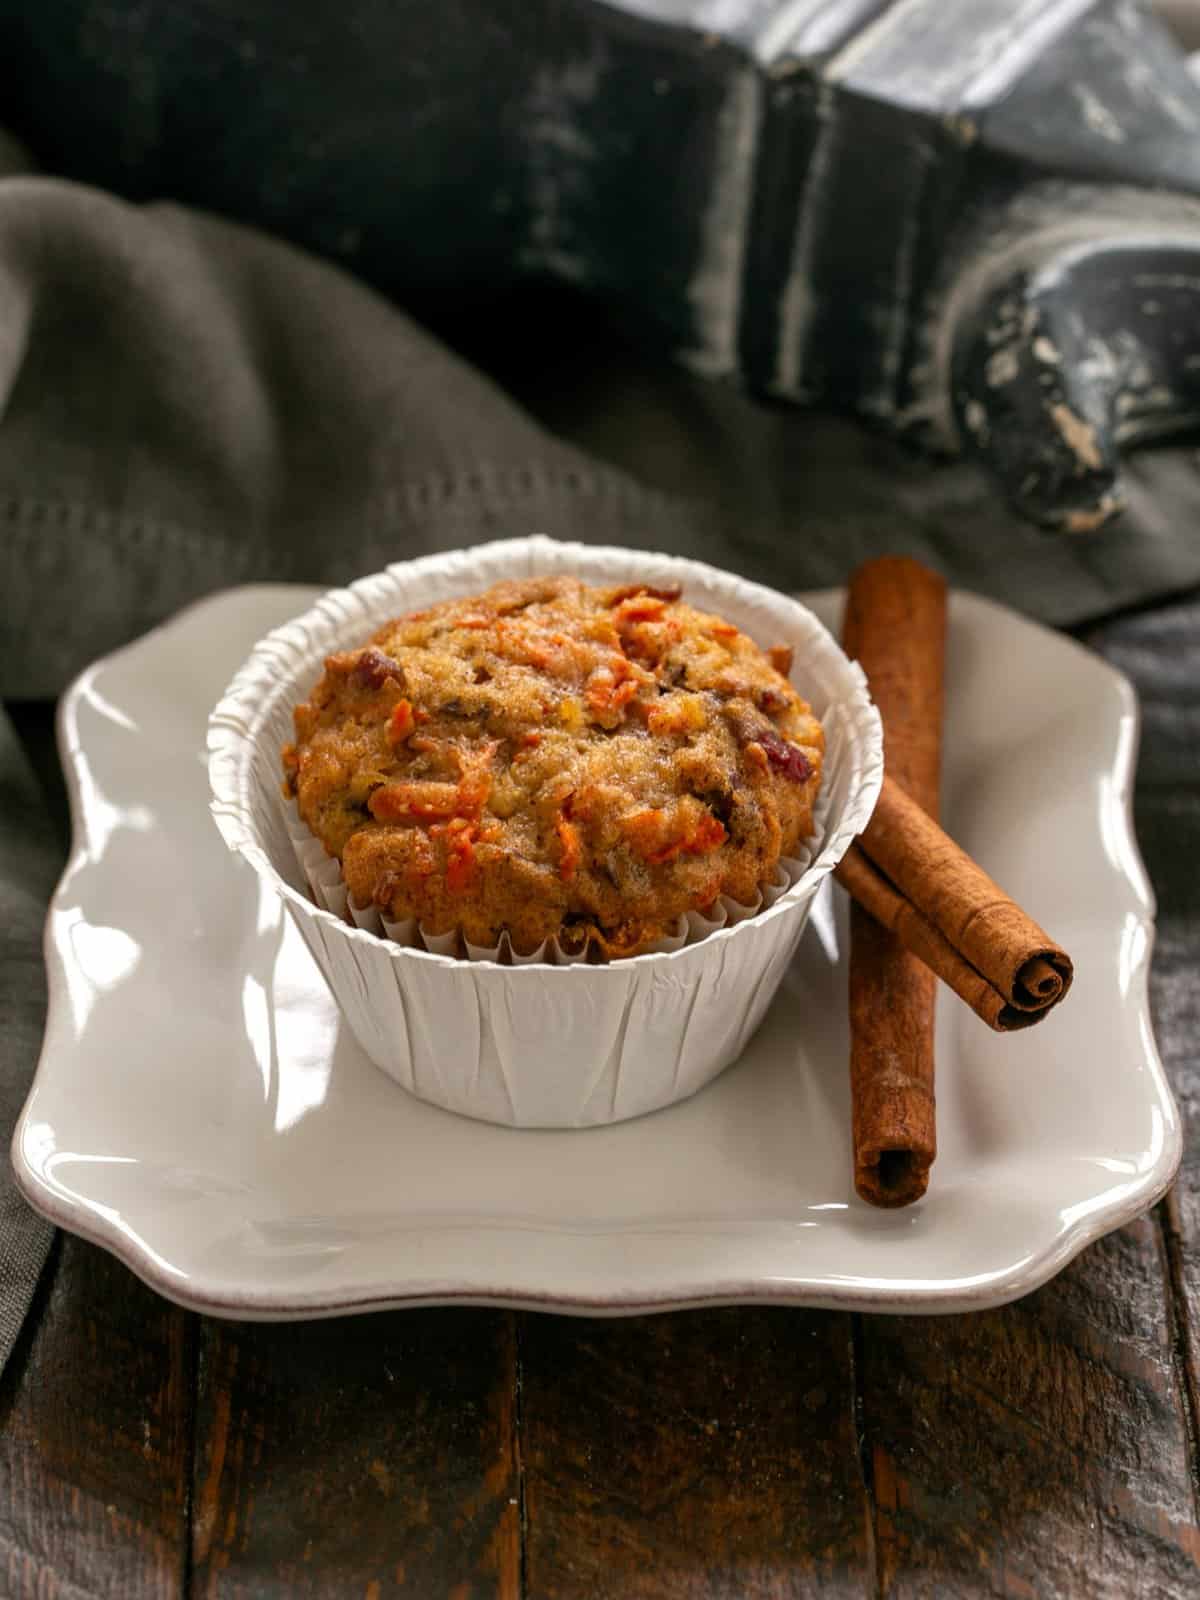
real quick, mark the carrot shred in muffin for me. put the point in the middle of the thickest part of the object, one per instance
(551, 759)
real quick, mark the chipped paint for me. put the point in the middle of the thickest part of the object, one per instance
(560, 153)
(797, 305)
(1046, 351)
(1142, 80)
(1044, 231)
(892, 318)
(1078, 436)
(795, 30)
(962, 128)
(1026, 35)
(1089, 520)
(1097, 115)
(1159, 398)
(714, 290)
(976, 420)
(1002, 368)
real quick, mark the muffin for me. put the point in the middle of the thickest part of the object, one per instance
(556, 761)
(554, 1040)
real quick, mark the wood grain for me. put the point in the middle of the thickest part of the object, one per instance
(1040, 1449)
(1047, 1448)
(370, 1456)
(1160, 652)
(95, 1438)
(704, 1454)
(1175, 999)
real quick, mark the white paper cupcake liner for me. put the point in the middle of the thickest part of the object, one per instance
(551, 1038)
(327, 886)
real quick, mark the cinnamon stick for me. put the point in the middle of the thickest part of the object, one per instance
(946, 909)
(894, 626)
(878, 903)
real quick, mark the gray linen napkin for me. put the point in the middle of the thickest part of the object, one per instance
(186, 405)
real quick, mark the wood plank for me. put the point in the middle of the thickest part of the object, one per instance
(1047, 1448)
(702, 1454)
(1160, 651)
(1175, 998)
(1040, 1449)
(95, 1438)
(370, 1456)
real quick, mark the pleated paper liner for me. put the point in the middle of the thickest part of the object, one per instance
(323, 873)
(548, 1038)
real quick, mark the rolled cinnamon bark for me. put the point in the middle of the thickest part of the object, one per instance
(894, 626)
(946, 909)
(878, 903)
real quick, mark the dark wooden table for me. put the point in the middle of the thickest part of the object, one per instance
(1046, 1449)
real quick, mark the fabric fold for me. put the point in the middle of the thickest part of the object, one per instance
(187, 404)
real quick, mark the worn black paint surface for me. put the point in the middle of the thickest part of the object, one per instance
(1072, 329)
(1095, 346)
(770, 197)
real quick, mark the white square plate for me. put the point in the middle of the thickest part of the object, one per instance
(200, 1110)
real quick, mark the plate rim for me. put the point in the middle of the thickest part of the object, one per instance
(1036, 1269)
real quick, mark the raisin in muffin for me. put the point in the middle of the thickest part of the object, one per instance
(551, 759)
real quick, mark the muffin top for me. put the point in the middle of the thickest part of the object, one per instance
(554, 759)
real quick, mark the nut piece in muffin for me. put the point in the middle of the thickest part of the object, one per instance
(551, 759)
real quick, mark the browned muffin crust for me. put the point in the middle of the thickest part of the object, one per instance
(553, 759)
